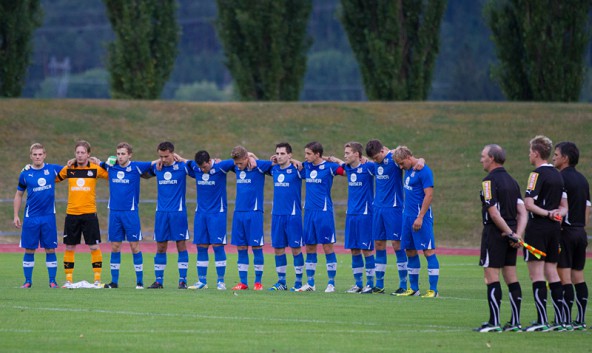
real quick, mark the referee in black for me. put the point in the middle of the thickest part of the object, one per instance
(503, 214)
(545, 201)
(574, 239)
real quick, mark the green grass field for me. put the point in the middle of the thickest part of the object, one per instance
(171, 320)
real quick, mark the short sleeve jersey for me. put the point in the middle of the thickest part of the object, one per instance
(499, 189)
(124, 184)
(82, 187)
(389, 183)
(40, 187)
(319, 180)
(287, 190)
(211, 186)
(415, 183)
(578, 197)
(360, 188)
(545, 186)
(250, 185)
(171, 187)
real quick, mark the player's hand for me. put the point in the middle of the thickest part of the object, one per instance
(17, 222)
(417, 224)
(159, 165)
(26, 167)
(420, 164)
(71, 162)
(97, 161)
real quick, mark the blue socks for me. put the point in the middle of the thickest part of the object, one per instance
(402, 268)
(220, 258)
(413, 266)
(28, 264)
(160, 261)
(311, 267)
(433, 271)
(202, 264)
(115, 264)
(331, 267)
(358, 269)
(370, 269)
(51, 261)
(258, 260)
(183, 263)
(281, 263)
(243, 266)
(380, 267)
(139, 267)
(298, 266)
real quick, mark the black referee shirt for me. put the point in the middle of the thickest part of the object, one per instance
(578, 195)
(545, 186)
(501, 190)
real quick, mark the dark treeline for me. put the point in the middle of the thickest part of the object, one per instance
(70, 55)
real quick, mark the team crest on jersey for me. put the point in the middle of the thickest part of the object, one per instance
(46, 172)
(532, 180)
(386, 161)
(128, 169)
(90, 173)
(322, 166)
(212, 171)
(486, 186)
(413, 174)
(41, 181)
(359, 170)
(175, 166)
(289, 171)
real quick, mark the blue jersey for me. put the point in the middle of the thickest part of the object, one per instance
(319, 180)
(211, 186)
(360, 188)
(124, 185)
(389, 183)
(171, 185)
(415, 182)
(287, 191)
(40, 186)
(249, 187)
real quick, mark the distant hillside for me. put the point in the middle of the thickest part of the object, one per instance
(449, 136)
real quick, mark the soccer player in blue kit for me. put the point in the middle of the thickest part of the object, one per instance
(124, 218)
(358, 221)
(39, 222)
(286, 221)
(319, 223)
(247, 221)
(418, 222)
(210, 215)
(170, 221)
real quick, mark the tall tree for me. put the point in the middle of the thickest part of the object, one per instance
(142, 56)
(265, 44)
(395, 43)
(541, 47)
(18, 20)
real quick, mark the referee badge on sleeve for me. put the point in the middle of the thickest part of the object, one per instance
(532, 180)
(486, 186)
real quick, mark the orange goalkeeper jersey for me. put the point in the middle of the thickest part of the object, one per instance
(82, 187)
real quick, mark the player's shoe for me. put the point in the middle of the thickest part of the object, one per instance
(278, 286)
(401, 290)
(182, 285)
(354, 289)
(537, 327)
(111, 285)
(199, 285)
(53, 285)
(568, 327)
(378, 290)
(509, 327)
(557, 327)
(257, 286)
(297, 286)
(408, 293)
(367, 290)
(139, 285)
(98, 284)
(26, 285)
(221, 286)
(487, 327)
(68, 284)
(330, 288)
(240, 286)
(306, 288)
(156, 285)
(578, 326)
(430, 294)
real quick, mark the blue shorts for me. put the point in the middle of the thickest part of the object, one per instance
(386, 223)
(170, 226)
(209, 228)
(247, 229)
(319, 227)
(358, 232)
(420, 240)
(286, 231)
(39, 231)
(124, 225)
